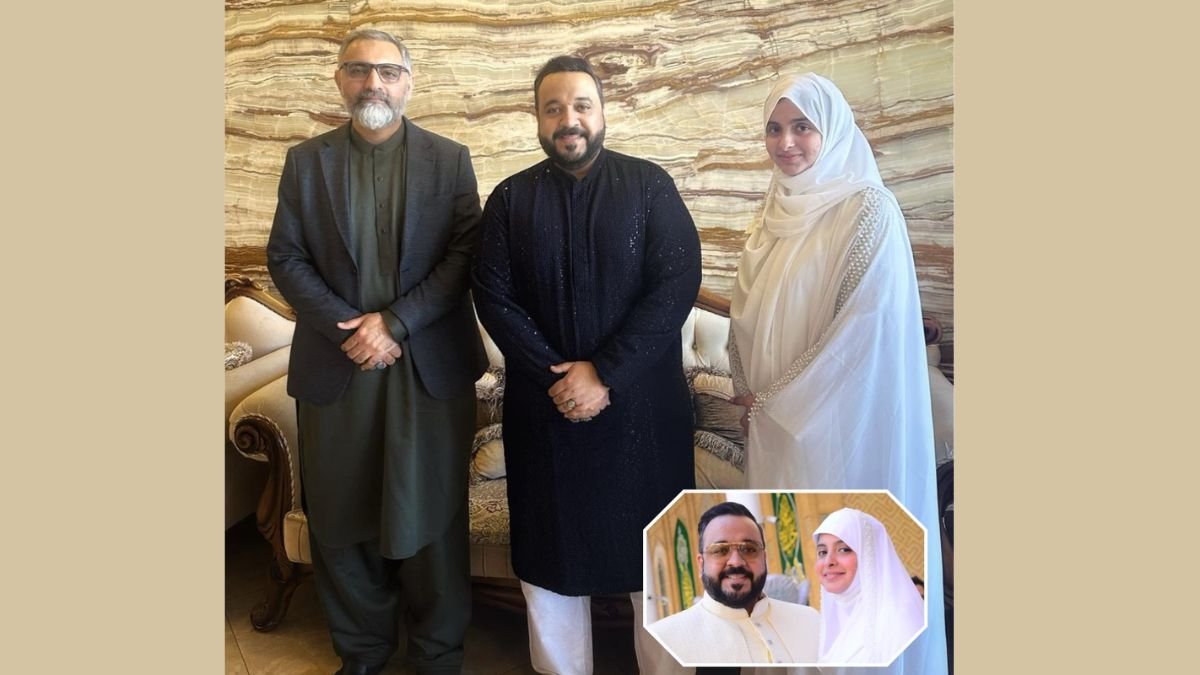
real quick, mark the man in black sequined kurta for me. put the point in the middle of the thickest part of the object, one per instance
(589, 265)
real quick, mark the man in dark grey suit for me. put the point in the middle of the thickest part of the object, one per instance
(371, 245)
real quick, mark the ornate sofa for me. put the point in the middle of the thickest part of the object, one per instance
(261, 421)
(258, 336)
(262, 427)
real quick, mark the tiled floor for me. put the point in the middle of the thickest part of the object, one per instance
(497, 641)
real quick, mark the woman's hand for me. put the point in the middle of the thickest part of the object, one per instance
(747, 402)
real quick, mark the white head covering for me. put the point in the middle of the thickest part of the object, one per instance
(881, 611)
(844, 165)
(795, 257)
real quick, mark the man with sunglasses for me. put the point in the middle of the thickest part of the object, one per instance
(735, 623)
(371, 245)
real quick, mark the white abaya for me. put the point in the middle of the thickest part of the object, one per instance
(827, 333)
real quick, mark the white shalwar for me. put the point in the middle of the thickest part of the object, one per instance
(560, 634)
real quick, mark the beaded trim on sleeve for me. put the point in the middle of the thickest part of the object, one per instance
(862, 249)
(862, 252)
(740, 387)
(792, 373)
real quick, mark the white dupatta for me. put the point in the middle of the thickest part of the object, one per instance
(881, 611)
(827, 333)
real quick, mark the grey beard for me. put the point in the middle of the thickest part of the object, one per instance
(376, 115)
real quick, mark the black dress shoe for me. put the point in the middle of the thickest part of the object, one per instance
(359, 668)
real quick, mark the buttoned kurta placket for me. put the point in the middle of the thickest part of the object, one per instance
(602, 269)
(372, 463)
(384, 467)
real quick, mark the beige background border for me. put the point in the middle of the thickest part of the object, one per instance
(1076, 260)
(1074, 397)
(110, 483)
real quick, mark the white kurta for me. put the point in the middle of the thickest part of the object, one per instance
(711, 633)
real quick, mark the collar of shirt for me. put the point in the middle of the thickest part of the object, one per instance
(569, 177)
(394, 141)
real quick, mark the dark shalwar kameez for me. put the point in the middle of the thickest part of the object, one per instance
(603, 269)
(384, 467)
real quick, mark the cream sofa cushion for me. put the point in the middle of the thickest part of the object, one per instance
(705, 341)
(488, 461)
(495, 357)
(245, 379)
(251, 322)
(487, 454)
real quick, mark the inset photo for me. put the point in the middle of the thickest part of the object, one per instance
(799, 578)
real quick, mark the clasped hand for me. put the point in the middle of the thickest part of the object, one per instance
(372, 342)
(579, 395)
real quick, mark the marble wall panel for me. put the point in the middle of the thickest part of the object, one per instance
(684, 83)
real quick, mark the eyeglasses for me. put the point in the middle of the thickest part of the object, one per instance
(361, 70)
(747, 549)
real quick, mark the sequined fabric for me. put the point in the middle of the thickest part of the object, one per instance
(603, 269)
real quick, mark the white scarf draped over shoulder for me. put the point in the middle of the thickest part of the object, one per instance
(881, 611)
(826, 332)
(797, 254)
(826, 319)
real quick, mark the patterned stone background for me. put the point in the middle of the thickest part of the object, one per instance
(684, 83)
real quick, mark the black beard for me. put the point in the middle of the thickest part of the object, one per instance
(741, 600)
(594, 143)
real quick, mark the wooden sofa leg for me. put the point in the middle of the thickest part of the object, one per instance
(282, 580)
(259, 435)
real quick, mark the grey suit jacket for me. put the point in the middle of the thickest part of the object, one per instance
(311, 262)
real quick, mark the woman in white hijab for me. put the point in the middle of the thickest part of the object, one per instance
(870, 609)
(827, 344)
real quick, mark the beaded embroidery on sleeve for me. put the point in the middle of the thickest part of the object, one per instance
(862, 252)
(740, 387)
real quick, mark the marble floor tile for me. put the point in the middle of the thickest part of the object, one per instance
(234, 663)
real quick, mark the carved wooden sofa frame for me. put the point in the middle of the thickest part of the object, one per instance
(262, 427)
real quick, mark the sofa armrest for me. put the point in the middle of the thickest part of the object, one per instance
(244, 380)
(263, 427)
